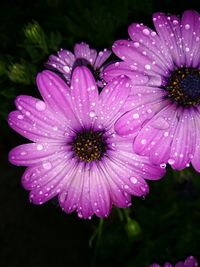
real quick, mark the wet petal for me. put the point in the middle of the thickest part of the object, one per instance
(112, 98)
(101, 58)
(123, 68)
(37, 128)
(190, 31)
(84, 95)
(144, 61)
(184, 141)
(99, 193)
(56, 94)
(169, 32)
(83, 50)
(30, 154)
(152, 42)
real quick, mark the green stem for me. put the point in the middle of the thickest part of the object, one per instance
(100, 230)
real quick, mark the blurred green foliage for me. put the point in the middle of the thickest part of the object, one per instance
(164, 226)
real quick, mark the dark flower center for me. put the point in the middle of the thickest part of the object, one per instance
(184, 87)
(89, 145)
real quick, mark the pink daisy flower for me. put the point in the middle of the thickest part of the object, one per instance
(66, 61)
(76, 153)
(189, 262)
(164, 66)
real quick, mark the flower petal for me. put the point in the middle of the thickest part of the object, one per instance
(101, 58)
(133, 184)
(190, 262)
(112, 98)
(144, 107)
(184, 141)
(190, 25)
(152, 42)
(36, 128)
(135, 164)
(69, 198)
(40, 174)
(83, 50)
(144, 61)
(169, 32)
(196, 158)
(84, 95)
(99, 193)
(30, 154)
(123, 68)
(152, 131)
(49, 183)
(56, 94)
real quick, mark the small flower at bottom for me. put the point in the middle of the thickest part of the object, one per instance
(76, 153)
(189, 262)
(66, 61)
(165, 102)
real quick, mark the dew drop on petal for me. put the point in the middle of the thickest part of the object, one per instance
(66, 69)
(40, 106)
(187, 26)
(20, 117)
(143, 141)
(163, 165)
(136, 116)
(171, 161)
(92, 114)
(147, 67)
(40, 147)
(47, 165)
(146, 32)
(133, 180)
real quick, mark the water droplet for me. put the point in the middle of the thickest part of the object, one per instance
(23, 153)
(40, 105)
(136, 116)
(133, 180)
(47, 165)
(55, 128)
(149, 110)
(171, 161)
(136, 44)
(175, 22)
(147, 67)
(146, 32)
(166, 134)
(80, 215)
(92, 114)
(20, 117)
(163, 165)
(126, 186)
(143, 141)
(187, 26)
(40, 147)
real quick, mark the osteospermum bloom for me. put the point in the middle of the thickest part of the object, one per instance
(189, 262)
(164, 66)
(75, 152)
(66, 61)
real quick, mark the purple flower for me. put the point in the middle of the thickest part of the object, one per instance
(189, 262)
(76, 153)
(164, 66)
(66, 61)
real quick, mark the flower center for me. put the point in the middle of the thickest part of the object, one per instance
(89, 145)
(184, 87)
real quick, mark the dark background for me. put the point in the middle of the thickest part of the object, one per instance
(162, 227)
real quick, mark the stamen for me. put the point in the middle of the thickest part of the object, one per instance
(89, 145)
(184, 87)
